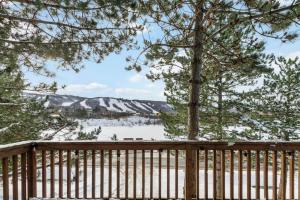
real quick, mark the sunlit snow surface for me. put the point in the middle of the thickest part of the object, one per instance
(130, 127)
(133, 127)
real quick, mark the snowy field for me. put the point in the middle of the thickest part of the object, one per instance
(134, 127)
(131, 127)
(147, 132)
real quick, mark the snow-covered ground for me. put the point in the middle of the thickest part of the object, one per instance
(129, 127)
(149, 132)
(125, 121)
(132, 127)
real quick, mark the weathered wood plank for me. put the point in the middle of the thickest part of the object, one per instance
(69, 174)
(5, 181)
(171, 145)
(231, 174)
(240, 175)
(257, 175)
(52, 174)
(266, 170)
(274, 175)
(60, 174)
(31, 172)
(23, 176)
(248, 174)
(93, 174)
(44, 174)
(15, 177)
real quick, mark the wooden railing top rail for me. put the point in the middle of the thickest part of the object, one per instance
(15, 148)
(111, 145)
(58, 161)
(22, 147)
(180, 145)
(174, 145)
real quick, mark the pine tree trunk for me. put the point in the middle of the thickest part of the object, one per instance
(219, 136)
(193, 109)
(193, 121)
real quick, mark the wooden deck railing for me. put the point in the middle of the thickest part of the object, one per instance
(150, 170)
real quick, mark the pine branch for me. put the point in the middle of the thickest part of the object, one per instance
(49, 137)
(253, 16)
(61, 6)
(73, 8)
(8, 127)
(60, 24)
(173, 46)
(53, 43)
(12, 104)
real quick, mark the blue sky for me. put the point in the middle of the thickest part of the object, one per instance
(110, 78)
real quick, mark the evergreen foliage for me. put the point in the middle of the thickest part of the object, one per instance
(21, 118)
(67, 32)
(221, 94)
(198, 28)
(277, 104)
(92, 135)
(201, 41)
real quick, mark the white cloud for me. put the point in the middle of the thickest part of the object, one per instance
(134, 93)
(150, 85)
(95, 89)
(293, 55)
(82, 88)
(136, 78)
(130, 91)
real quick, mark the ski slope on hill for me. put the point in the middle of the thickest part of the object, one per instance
(101, 104)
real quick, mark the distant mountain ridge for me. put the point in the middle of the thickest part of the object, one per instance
(101, 105)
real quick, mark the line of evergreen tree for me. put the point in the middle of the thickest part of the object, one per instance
(197, 28)
(275, 106)
(33, 33)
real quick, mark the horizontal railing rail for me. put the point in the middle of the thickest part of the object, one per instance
(180, 145)
(15, 149)
(150, 170)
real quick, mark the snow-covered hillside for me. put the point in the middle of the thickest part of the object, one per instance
(102, 104)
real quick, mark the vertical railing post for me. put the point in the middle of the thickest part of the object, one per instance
(282, 187)
(31, 171)
(190, 173)
(15, 178)
(23, 176)
(5, 179)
